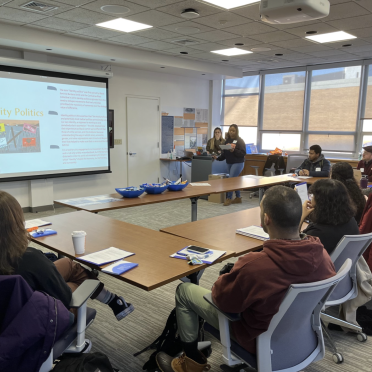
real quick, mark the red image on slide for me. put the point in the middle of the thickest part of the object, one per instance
(27, 142)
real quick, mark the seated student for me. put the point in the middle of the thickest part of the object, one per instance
(343, 172)
(256, 284)
(213, 145)
(58, 279)
(316, 165)
(331, 213)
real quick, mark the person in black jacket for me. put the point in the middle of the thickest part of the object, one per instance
(234, 160)
(331, 213)
(58, 279)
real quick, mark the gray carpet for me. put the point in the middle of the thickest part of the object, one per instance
(119, 340)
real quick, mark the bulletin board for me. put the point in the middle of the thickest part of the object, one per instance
(190, 128)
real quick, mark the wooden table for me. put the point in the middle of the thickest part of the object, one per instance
(221, 231)
(191, 192)
(152, 248)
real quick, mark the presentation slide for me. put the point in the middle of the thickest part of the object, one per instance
(52, 126)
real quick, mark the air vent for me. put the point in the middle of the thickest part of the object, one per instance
(38, 7)
(185, 42)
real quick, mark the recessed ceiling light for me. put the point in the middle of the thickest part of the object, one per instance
(347, 45)
(203, 74)
(229, 4)
(311, 32)
(112, 59)
(162, 67)
(115, 9)
(231, 52)
(225, 60)
(184, 52)
(239, 44)
(261, 49)
(189, 13)
(331, 37)
(124, 25)
(278, 54)
(48, 49)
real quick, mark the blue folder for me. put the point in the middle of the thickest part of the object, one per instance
(45, 233)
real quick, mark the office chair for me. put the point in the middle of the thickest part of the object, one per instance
(274, 166)
(350, 247)
(294, 161)
(294, 338)
(255, 193)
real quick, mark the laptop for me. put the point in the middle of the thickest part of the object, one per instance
(357, 175)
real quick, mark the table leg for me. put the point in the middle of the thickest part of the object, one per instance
(260, 193)
(194, 209)
(193, 278)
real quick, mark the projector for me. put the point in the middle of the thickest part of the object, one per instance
(293, 11)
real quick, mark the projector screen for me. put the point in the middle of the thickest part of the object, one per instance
(52, 124)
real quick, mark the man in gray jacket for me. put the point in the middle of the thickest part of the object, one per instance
(316, 165)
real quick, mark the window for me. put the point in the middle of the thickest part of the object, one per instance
(334, 99)
(284, 101)
(368, 111)
(248, 134)
(333, 142)
(285, 141)
(241, 101)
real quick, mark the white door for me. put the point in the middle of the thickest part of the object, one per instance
(143, 136)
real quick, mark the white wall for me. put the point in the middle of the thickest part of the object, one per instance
(173, 90)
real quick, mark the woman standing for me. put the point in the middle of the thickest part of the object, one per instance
(234, 160)
(343, 172)
(213, 145)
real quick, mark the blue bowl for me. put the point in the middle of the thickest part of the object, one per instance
(173, 187)
(127, 193)
(154, 190)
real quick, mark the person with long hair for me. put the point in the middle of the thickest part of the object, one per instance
(344, 173)
(213, 145)
(331, 213)
(58, 279)
(234, 160)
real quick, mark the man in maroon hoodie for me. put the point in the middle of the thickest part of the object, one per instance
(256, 285)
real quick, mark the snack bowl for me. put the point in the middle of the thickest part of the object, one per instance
(129, 192)
(179, 187)
(154, 188)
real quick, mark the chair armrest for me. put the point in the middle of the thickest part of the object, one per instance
(83, 292)
(233, 317)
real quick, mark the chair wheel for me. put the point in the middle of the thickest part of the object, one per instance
(362, 337)
(337, 358)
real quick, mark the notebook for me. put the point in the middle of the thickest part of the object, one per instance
(301, 189)
(106, 256)
(255, 232)
(36, 223)
(46, 232)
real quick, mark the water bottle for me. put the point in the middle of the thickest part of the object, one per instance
(364, 182)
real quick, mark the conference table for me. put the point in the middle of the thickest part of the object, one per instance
(192, 192)
(151, 248)
(221, 231)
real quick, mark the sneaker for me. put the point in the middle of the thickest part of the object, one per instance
(120, 308)
(227, 202)
(236, 201)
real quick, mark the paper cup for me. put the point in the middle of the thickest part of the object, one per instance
(78, 240)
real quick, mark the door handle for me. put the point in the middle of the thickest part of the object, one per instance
(132, 153)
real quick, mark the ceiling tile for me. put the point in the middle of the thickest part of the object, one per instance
(362, 32)
(241, 40)
(291, 55)
(357, 49)
(157, 45)
(354, 42)
(216, 35)
(82, 36)
(291, 44)
(59, 24)
(309, 49)
(249, 29)
(367, 4)
(251, 11)
(207, 47)
(158, 34)
(154, 3)
(211, 56)
(223, 20)
(44, 29)
(7, 21)
(345, 10)
(130, 39)
(98, 32)
(133, 8)
(364, 54)
(155, 18)
(310, 60)
(179, 27)
(273, 36)
(322, 28)
(22, 16)
(76, 3)
(352, 23)
(179, 49)
(202, 8)
(85, 16)
(330, 53)
(61, 7)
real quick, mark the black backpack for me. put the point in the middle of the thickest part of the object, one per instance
(89, 362)
(168, 342)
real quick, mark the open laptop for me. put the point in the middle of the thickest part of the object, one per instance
(357, 175)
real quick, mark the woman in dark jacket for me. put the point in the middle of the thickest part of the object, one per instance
(234, 160)
(58, 279)
(331, 213)
(344, 173)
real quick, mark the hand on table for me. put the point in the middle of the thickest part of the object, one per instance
(303, 172)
